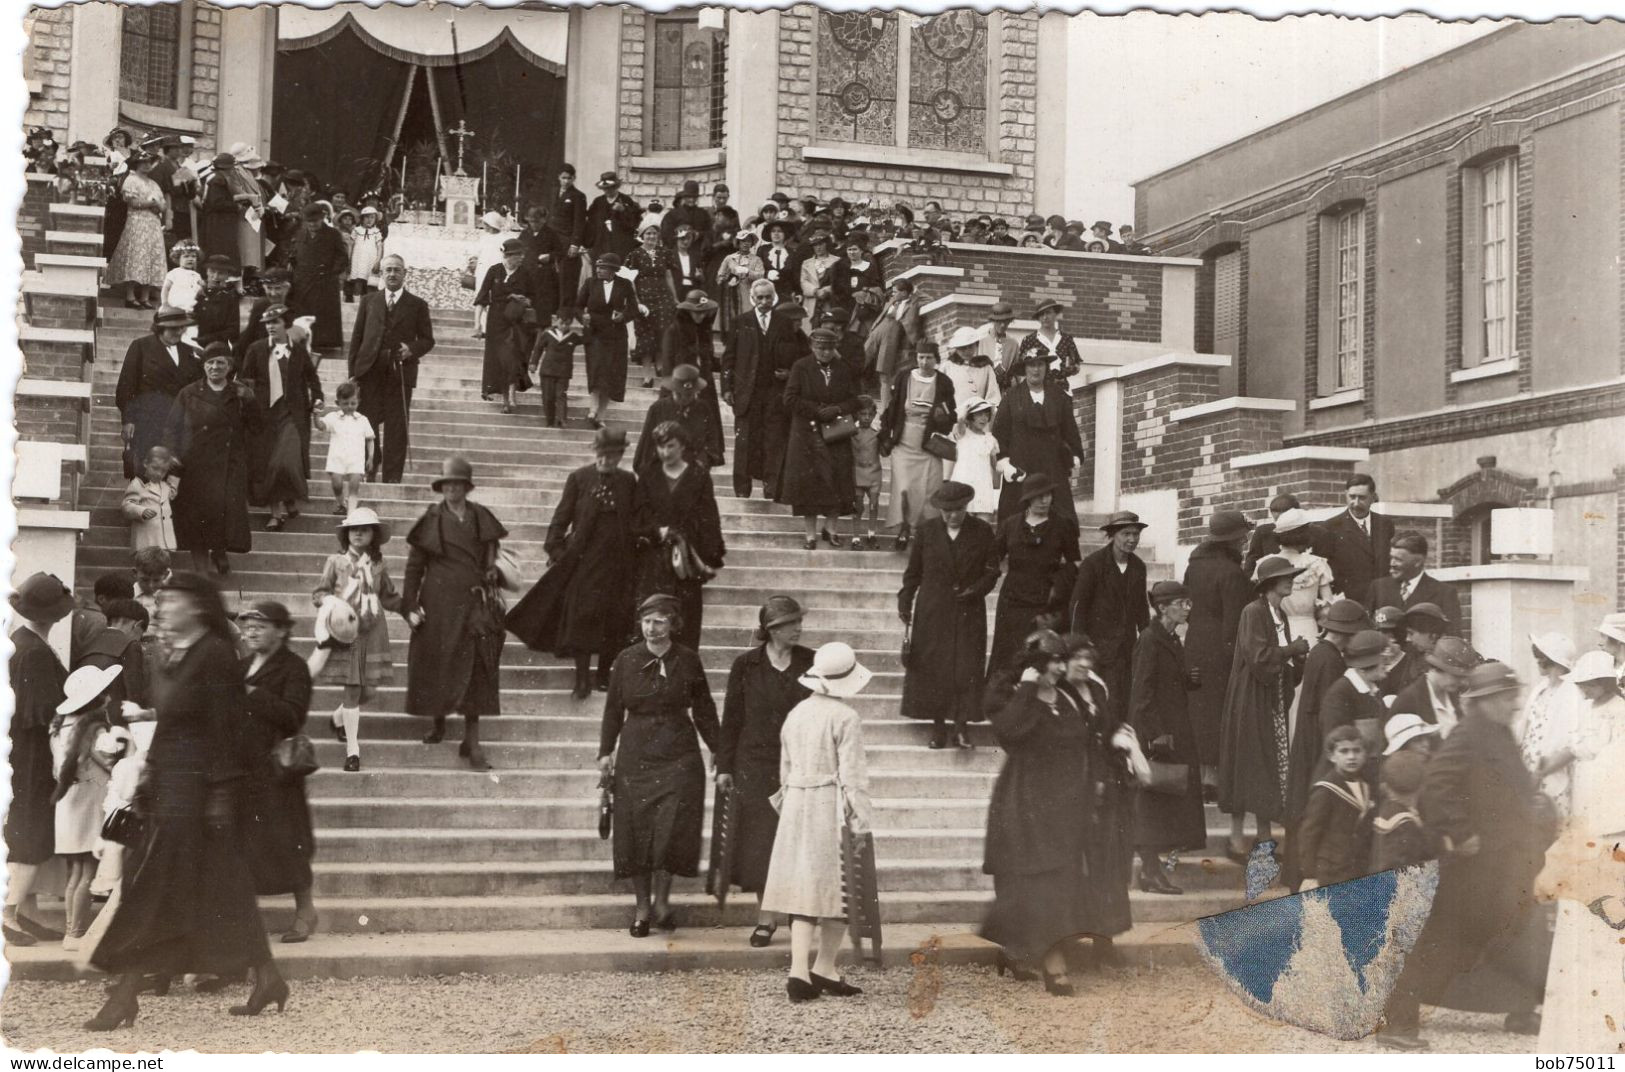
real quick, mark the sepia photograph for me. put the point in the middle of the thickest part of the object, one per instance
(549, 528)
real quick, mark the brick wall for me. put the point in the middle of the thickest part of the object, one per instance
(34, 217)
(204, 104)
(1014, 93)
(1155, 452)
(1210, 443)
(1083, 475)
(50, 47)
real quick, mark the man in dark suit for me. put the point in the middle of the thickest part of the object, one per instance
(755, 364)
(1353, 542)
(1481, 801)
(155, 368)
(1263, 543)
(542, 253)
(607, 303)
(568, 220)
(1109, 603)
(392, 333)
(1407, 584)
(289, 399)
(685, 208)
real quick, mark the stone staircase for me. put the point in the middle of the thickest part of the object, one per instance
(425, 866)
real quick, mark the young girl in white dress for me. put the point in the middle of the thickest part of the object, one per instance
(974, 465)
(183, 284)
(81, 786)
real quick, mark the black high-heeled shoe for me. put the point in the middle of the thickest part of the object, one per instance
(476, 758)
(1005, 966)
(838, 988)
(583, 687)
(1059, 985)
(264, 994)
(800, 991)
(120, 1010)
(639, 928)
(762, 936)
(222, 564)
(437, 733)
(1158, 883)
(667, 922)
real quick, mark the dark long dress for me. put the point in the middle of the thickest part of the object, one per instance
(219, 315)
(758, 700)
(217, 218)
(1165, 822)
(279, 448)
(208, 432)
(116, 212)
(817, 476)
(1218, 591)
(37, 678)
(277, 835)
(187, 904)
(653, 710)
(1253, 753)
(687, 506)
(148, 382)
(450, 667)
(654, 293)
(507, 344)
(606, 335)
(1041, 569)
(944, 595)
(1036, 822)
(320, 266)
(1108, 844)
(1038, 438)
(583, 604)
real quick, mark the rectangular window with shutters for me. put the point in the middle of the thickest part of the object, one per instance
(150, 55)
(1227, 303)
(1489, 264)
(686, 88)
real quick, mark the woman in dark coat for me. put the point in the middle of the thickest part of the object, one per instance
(676, 500)
(943, 604)
(1042, 556)
(762, 688)
(506, 290)
(208, 432)
(1038, 816)
(37, 679)
(1166, 821)
(1037, 433)
(1108, 848)
(607, 305)
(658, 708)
(320, 266)
(279, 448)
(1253, 753)
(277, 835)
(187, 903)
(455, 655)
(218, 214)
(921, 403)
(1218, 591)
(582, 605)
(817, 477)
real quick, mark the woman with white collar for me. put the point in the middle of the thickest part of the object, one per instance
(1058, 349)
(824, 785)
(971, 370)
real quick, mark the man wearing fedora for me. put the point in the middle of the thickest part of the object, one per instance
(952, 565)
(275, 285)
(997, 345)
(1422, 627)
(1355, 542)
(687, 259)
(684, 405)
(612, 219)
(1218, 590)
(756, 361)
(393, 331)
(685, 208)
(1434, 696)
(1109, 602)
(1480, 799)
(156, 367)
(37, 681)
(567, 216)
(1407, 582)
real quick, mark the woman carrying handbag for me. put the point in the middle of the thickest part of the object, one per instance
(822, 397)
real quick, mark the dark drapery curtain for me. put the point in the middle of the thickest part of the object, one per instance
(510, 104)
(333, 109)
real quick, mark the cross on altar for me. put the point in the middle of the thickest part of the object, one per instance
(461, 133)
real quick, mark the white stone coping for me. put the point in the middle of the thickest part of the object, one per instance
(1045, 251)
(1439, 511)
(1301, 454)
(68, 260)
(78, 336)
(30, 517)
(1341, 398)
(913, 159)
(75, 454)
(1151, 364)
(74, 238)
(1513, 571)
(933, 271)
(679, 160)
(40, 176)
(74, 390)
(68, 208)
(75, 286)
(1489, 370)
(1242, 403)
(985, 301)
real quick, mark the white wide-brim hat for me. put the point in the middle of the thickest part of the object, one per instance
(336, 621)
(1555, 646)
(1613, 626)
(1403, 728)
(84, 685)
(1291, 520)
(963, 336)
(836, 671)
(1592, 666)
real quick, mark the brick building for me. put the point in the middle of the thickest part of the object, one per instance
(1427, 269)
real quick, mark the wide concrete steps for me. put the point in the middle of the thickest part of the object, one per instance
(560, 727)
(379, 781)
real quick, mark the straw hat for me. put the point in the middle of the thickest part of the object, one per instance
(1555, 646)
(1592, 666)
(336, 622)
(963, 336)
(836, 671)
(84, 685)
(361, 517)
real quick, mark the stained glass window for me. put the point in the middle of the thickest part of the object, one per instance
(947, 83)
(688, 82)
(857, 77)
(150, 54)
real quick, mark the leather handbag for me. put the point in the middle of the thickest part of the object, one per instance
(606, 808)
(685, 561)
(940, 446)
(293, 759)
(122, 827)
(840, 429)
(1171, 779)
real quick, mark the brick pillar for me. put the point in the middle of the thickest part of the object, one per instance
(34, 215)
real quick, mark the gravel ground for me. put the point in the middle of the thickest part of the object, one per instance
(955, 1009)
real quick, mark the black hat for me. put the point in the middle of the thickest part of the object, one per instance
(220, 261)
(952, 495)
(512, 245)
(608, 179)
(825, 334)
(267, 610)
(275, 277)
(1168, 591)
(659, 601)
(455, 467)
(609, 439)
(1123, 519)
(1034, 485)
(42, 598)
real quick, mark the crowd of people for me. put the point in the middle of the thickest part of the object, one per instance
(1311, 674)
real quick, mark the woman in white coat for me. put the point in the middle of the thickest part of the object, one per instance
(824, 783)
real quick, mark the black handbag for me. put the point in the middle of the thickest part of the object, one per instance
(122, 826)
(840, 429)
(1171, 779)
(293, 759)
(606, 808)
(940, 446)
(685, 562)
